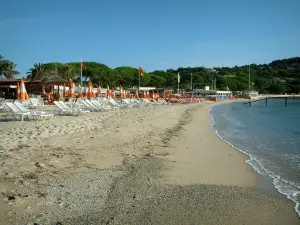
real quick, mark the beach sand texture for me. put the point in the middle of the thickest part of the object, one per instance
(152, 165)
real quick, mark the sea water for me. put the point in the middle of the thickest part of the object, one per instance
(269, 135)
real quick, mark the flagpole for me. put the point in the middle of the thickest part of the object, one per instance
(178, 77)
(139, 79)
(81, 72)
(192, 83)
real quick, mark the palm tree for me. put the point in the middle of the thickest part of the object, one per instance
(42, 72)
(7, 68)
(37, 72)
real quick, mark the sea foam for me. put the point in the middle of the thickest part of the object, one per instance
(283, 186)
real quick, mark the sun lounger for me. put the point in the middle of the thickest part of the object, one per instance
(104, 103)
(93, 105)
(115, 104)
(88, 106)
(36, 102)
(107, 104)
(98, 104)
(101, 106)
(16, 113)
(36, 114)
(140, 102)
(62, 110)
(148, 102)
(71, 102)
(78, 110)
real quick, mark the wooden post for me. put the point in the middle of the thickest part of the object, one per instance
(266, 102)
(285, 101)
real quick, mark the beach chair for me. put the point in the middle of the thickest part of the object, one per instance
(71, 102)
(93, 105)
(126, 103)
(148, 102)
(104, 102)
(88, 106)
(35, 103)
(61, 110)
(115, 104)
(162, 101)
(101, 106)
(16, 113)
(2, 104)
(75, 110)
(99, 99)
(36, 114)
(135, 102)
(140, 102)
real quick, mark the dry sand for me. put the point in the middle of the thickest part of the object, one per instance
(154, 165)
(200, 157)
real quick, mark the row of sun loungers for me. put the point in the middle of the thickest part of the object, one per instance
(74, 107)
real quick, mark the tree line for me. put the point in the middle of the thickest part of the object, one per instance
(279, 76)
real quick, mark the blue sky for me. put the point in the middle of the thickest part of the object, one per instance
(157, 34)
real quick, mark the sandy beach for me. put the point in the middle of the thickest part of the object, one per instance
(152, 165)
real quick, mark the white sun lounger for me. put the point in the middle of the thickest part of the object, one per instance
(36, 114)
(126, 103)
(101, 105)
(87, 106)
(116, 104)
(78, 110)
(16, 113)
(93, 106)
(62, 110)
(107, 103)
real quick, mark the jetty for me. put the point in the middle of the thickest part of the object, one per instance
(266, 97)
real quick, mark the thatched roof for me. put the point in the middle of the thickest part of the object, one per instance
(55, 80)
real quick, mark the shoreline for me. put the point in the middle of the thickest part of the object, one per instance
(267, 181)
(116, 171)
(264, 183)
(216, 151)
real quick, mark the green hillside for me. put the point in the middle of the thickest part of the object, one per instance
(279, 76)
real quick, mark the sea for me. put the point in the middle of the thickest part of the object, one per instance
(269, 135)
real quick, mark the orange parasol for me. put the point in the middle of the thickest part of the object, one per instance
(18, 90)
(23, 93)
(70, 89)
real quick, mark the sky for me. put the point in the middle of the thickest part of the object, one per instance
(155, 34)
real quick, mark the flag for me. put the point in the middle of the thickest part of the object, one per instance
(82, 65)
(142, 71)
(178, 78)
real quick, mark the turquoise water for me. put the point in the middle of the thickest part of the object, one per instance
(270, 136)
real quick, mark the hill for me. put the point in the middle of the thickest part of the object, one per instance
(279, 76)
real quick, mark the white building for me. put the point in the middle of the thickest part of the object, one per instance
(147, 88)
(225, 93)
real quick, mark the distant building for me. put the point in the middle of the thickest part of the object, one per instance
(147, 88)
(251, 94)
(8, 87)
(225, 93)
